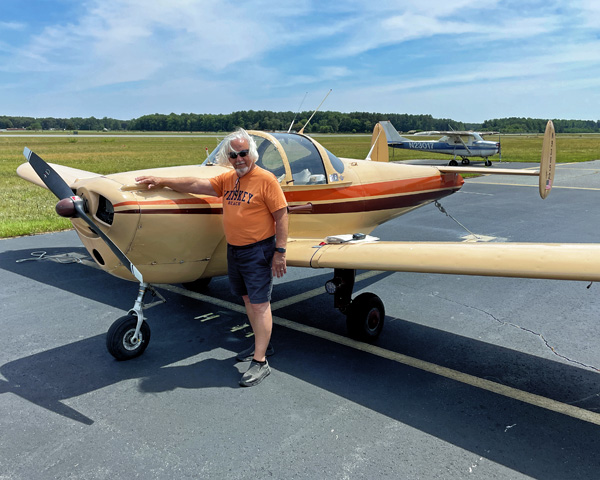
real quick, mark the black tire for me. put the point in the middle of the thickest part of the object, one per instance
(200, 285)
(465, 161)
(118, 338)
(365, 317)
(488, 163)
(453, 163)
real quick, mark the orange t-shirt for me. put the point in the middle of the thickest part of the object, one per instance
(248, 204)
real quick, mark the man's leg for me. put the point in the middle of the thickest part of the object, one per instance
(261, 321)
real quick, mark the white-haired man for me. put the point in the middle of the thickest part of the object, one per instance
(255, 221)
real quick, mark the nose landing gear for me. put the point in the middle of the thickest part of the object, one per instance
(128, 336)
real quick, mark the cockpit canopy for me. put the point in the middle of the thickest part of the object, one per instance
(294, 159)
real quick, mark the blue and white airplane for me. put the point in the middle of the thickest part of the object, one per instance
(463, 144)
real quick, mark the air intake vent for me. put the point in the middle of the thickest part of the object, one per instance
(106, 211)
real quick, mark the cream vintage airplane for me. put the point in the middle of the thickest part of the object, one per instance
(161, 236)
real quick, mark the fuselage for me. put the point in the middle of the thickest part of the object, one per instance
(173, 237)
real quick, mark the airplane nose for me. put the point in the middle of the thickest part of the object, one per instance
(100, 197)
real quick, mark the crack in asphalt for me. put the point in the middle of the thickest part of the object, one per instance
(525, 329)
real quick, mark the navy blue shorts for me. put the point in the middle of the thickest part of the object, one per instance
(249, 270)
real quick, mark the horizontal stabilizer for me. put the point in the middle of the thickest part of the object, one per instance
(489, 170)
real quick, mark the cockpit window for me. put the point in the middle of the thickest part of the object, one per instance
(269, 157)
(335, 162)
(305, 161)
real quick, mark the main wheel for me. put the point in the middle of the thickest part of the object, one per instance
(453, 163)
(365, 317)
(198, 286)
(120, 333)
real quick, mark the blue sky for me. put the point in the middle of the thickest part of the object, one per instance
(469, 60)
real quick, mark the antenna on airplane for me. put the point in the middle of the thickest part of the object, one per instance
(292, 124)
(302, 129)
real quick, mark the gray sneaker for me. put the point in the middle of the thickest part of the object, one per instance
(248, 354)
(255, 374)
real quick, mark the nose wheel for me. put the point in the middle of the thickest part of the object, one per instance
(121, 341)
(128, 336)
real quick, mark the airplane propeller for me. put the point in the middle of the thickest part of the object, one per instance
(71, 205)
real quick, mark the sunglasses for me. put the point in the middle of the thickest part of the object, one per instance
(234, 155)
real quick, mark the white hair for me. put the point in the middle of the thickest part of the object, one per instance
(222, 156)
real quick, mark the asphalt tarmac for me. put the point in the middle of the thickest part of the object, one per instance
(472, 377)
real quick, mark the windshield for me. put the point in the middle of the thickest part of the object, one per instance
(305, 162)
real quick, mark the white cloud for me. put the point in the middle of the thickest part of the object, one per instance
(12, 26)
(123, 40)
(451, 22)
(590, 13)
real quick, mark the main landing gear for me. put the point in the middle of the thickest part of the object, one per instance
(365, 314)
(128, 336)
(466, 161)
(454, 163)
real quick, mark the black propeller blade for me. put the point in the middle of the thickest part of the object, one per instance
(74, 205)
(53, 180)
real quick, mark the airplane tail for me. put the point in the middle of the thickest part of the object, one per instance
(392, 134)
(379, 147)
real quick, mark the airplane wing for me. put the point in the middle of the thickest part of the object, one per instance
(450, 133)
(68, 174)
(523, 260)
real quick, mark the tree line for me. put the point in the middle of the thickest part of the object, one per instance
(322, 122)
(537, 125)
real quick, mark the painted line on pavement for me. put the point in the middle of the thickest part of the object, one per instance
(506, 391)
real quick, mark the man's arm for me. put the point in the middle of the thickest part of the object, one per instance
(281, 234)
(199, 186)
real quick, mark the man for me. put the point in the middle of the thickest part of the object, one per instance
(255, 221)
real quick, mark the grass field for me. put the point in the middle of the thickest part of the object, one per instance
(27, 209)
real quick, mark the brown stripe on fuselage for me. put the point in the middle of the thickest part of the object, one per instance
(376, 204)
(178, 211)
(364, 204)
